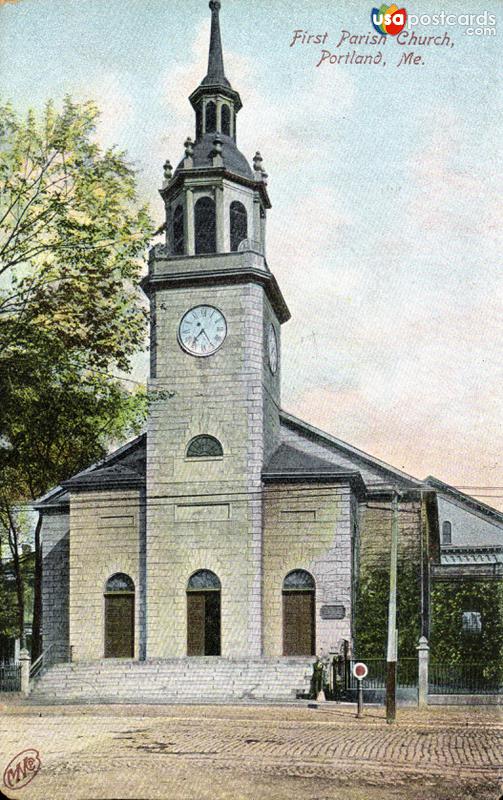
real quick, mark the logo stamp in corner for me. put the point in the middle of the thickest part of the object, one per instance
(22, 769)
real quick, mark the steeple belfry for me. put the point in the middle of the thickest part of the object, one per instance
(216, 202)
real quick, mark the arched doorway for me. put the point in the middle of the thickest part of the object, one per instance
(298, 614)
(119, 617)
(203, 614)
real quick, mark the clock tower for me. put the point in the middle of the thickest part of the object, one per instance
(216, 312)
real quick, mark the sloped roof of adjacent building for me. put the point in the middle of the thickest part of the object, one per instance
(464, 499)
(314, 443)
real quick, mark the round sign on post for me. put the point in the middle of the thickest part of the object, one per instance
(360, 670)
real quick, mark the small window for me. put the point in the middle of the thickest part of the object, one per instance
(178, 232)
(204, 447)
(298, 580)
(211, 117)
(205, 224)
(471, 622)
(119, 583)
(446, 533)
(239, 224)
(226, 120)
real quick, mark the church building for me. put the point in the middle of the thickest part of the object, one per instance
(230, 528)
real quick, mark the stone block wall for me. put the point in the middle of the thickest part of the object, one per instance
(207, 514)
(308, 527)
(55, 538)
(105, 539)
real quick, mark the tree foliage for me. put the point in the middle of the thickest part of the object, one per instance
(449, 643)
(72, 236)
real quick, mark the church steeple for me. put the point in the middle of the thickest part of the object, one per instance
(215, 200)
(215, 102)
(216, 73)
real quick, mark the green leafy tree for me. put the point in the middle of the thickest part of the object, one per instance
(72, 235)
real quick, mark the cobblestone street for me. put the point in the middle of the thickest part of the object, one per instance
(217, 753)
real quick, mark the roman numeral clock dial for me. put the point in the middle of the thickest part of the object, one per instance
(202, 331)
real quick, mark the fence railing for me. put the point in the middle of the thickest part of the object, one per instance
(10, 678)
(407, 673)
(465, 679)
(57, 652)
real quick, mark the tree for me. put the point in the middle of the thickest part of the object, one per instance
(71, 238)
(71, 313)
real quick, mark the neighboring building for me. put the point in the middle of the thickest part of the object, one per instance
(230, 527)
(467, 584)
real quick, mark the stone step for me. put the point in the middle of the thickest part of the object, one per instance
(175, 680)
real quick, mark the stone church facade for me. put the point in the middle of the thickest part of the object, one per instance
(229, 528)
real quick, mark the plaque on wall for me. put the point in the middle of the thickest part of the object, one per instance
(333, 612)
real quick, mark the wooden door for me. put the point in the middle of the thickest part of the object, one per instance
(212, 624)
(195, 623)
(203, 623)
(119, 626)
(298, 624)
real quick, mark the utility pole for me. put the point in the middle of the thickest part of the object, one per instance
(392, 652)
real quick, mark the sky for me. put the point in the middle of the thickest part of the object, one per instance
(385, 229)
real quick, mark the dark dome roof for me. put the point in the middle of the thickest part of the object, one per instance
(234, 161)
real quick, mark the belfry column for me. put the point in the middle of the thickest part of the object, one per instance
(189, 205)
(219, 215)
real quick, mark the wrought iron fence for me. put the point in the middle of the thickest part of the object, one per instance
(407, 672)
(466, 678)
(10, 678)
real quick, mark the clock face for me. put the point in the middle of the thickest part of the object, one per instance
(272, 346)
(202, 330)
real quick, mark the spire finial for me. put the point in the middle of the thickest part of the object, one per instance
(216, 74)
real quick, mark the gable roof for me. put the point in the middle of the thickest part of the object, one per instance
(124, 467)
(370, 467)
(464, 499)
(289, 463)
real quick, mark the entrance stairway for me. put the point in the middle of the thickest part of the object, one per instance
(183, 680)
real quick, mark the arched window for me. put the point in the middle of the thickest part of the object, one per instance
(178, 232)
(203, 614)
(446, 533)
(205, 225)
(239, 224)
(119, 616)
(211, 117)
(299, 614)
(226, 120)
(204, 447)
